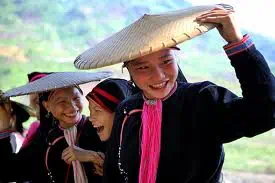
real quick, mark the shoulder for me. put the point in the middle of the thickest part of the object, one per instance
(204, 90)
(195, 88)
(130, 103)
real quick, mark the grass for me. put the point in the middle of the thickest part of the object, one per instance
(251, 155)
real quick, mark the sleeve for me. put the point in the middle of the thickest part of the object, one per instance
(231, 117)
(111, 169)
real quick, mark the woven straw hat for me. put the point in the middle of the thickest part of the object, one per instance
(57, 80)
(148, 34)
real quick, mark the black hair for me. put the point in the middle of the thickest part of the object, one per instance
(21, 116)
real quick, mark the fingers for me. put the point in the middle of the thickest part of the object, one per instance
(68, 155)
(98, 170)
(101, 154)
(65, 152)
(215, 16)
(69, 160)
(98, 159)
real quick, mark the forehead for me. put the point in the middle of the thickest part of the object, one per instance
(64, 92)
(92, 103)
(153, 56)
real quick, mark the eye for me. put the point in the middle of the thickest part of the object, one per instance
(61, 102)
(98, 110)
(142, 68)
(168, 61)
(77, 98)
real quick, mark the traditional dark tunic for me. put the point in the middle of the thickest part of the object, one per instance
(196, 120)
(41, 160)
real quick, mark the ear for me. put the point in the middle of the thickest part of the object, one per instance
(13, 122)
(46, 105)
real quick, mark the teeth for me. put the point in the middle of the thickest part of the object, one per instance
(96, 126)
(160, 85)
(99, 129)
(71, 115)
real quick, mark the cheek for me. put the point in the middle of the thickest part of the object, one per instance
(80, 106)
(140, 79)
(108, 118)
(172, 71)
(57, 112)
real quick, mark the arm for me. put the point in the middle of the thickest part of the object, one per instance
(73, 153)
(235, 117)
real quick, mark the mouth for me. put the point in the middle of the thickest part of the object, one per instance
(99, 128)
(71, 115)
(159, 85)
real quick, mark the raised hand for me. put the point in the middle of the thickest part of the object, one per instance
(225, 21)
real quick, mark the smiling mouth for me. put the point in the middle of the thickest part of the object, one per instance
(159, 85)
(71, 115)
(99, 129)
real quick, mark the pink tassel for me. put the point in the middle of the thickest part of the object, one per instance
(151, 141)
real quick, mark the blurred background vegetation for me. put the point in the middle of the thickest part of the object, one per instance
(47, 35)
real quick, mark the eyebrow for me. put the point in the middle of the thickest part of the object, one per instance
(60, 98)
(166, 55)
(137, 63)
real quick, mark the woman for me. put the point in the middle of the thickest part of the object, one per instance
(34, 104)
(103, 102)
(12, 115)
(170, 122)
(61, 125)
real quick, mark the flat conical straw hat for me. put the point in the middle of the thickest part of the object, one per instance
(57, 80)
(148, 34)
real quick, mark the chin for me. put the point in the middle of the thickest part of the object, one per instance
(103, 139)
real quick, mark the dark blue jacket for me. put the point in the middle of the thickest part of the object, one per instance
(196, 121)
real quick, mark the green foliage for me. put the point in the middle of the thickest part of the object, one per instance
(251, 155)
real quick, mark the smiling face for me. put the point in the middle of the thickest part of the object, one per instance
(66, 106)
(101, 119)
(155, 74)
(6, 116)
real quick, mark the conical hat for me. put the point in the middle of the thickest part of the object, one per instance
(57, 80)
(148, 34)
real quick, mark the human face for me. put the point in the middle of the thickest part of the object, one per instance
(101, 119)
(34, 103)
(66, 106)
(155, 74)
(5, 116)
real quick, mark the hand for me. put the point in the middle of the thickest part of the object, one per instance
(98, 170)
(99, 166)
(73, 153)
(5, 116)
(226, 23)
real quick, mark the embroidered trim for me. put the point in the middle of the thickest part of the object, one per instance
(234, 48)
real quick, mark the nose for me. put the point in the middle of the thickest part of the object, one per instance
(73, 106)
(91, 117)
(157, 73)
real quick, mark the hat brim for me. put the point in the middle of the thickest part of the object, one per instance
(24, 110)
(57, 80)
(148, 34)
